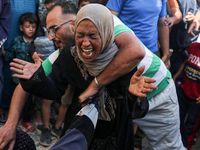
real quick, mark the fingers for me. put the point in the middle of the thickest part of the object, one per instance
(19, 71)
(139, 71)
(17, 66)
(36, 58)
(41, 60)
(21, 76)
(5, 143)
(198, 102)
(198, 98)
(40, 55)
(19, 61)
(192, 28)
(149, 80)
(11, 146)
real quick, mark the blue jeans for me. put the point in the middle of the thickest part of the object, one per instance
(189, 112)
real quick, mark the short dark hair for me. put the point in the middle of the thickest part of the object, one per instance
(68, 7)
(103, 2)
(91, 1)
(51, 1)
(29, 17)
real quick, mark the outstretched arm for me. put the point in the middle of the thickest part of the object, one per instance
(8, 131)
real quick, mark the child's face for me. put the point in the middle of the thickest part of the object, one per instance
(83, 3)
(28, 29)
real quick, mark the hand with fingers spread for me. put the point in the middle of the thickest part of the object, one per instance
(24, 69)
(7, 136)
(139, 85)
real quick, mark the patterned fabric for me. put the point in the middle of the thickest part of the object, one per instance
(79, 63)
(42, 12)
(19, 49)
(23, 142)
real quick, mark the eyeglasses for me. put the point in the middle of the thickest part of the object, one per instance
(53, 30)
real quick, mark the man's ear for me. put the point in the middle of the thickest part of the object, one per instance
(21, 28)
(73, 24)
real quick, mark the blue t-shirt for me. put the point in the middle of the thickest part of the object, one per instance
(142, 17)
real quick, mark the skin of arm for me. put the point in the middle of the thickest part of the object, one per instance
(8, 131)
(130, 53)
(176, 15)
(175, 18)
(180, 70)
(195, 24)
(163, 35)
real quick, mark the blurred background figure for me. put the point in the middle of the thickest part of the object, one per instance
(5, 14)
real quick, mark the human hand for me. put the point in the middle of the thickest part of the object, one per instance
(7, 136)
(198, 100)
(139, 85)
(40, 55)
(189, 18)
(25, 69)
(2, 50)
(168, 21)
(166, 59)
(194, 26)
(166, 62)
(92, 89)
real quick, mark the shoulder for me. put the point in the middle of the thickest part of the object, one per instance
(119, 26)
(17, 39)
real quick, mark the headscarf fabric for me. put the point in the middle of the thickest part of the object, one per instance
(102, 18)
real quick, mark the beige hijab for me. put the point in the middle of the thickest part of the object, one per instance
(103, 20)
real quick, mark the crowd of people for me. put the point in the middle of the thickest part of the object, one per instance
(107, 66)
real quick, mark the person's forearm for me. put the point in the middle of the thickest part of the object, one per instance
(176, 15)
(163, 35)
(16, 106)
(130, 53)
(180, 70)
